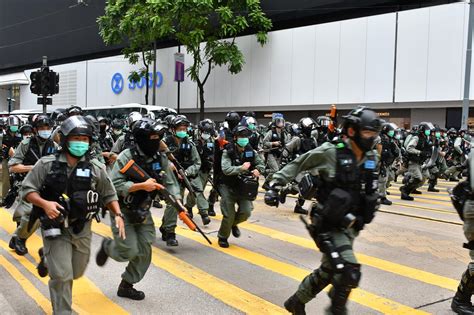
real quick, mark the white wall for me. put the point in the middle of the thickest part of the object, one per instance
(341, 62)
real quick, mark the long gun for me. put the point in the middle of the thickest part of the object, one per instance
(333, 124)
(180, 169)
(137, 174)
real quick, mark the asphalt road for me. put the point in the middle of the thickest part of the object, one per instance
(412, 259)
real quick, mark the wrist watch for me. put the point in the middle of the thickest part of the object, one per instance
(119, 215)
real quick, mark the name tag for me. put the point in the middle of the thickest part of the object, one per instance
(249, 154)
(156, 166)
(369, 165)
(210, 144)
(83, 172)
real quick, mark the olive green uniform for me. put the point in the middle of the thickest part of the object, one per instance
(458, 159)
(170, 216)
(67, 255)
(136, 247)
(418, 176)
(274, 161)
(230, 196)
(322, 160)
(23, 209)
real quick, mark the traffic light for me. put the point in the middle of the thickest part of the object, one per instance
(35, 86)
(45, 81)
(54, 81)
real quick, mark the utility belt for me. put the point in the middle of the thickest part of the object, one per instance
(138, 205)
(245, 186)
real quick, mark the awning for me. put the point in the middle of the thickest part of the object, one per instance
(18, 78)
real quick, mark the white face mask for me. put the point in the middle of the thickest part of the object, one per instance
(205, 136)
(45, 134)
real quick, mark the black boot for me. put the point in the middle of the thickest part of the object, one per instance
(42, 268)
(171, 239)
(294, 306)
(405, 195)
(18, 244)
(101, 256)
(387, 193)
(223, 242)
(164, 234)
(190, 212)
(416, 192)
(157, 204)
(461, 304)
(127, 290)
(236, 231)
(205, 219)
(385, 201)
(432, 188)
(211, 211)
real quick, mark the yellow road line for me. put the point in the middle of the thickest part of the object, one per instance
(358, 295)
(447, 200)
(85, 295)
(420, 217)
(405, 271)
(421, 207)
(219, 289)
(27, 286)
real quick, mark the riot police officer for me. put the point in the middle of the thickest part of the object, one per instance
(117, 127)
(389, 153)
(347, 196)
(241, 167)
(135, 200)
(125, 141)
(28, 152)
(185, 155)
(418, 150)
(205, 148)
(65, 190)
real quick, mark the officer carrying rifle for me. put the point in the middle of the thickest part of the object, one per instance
(347, 199)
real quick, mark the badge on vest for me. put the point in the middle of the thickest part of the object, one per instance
(156, 166)
(369, 165)
(83, 172)
(210, 144)
(248, 154)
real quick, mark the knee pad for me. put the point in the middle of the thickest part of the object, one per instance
(351, 275)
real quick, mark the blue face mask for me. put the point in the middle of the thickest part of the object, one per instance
(427, 132)
(242, 142)
(44, 134)
(78, 148)
(181, 134)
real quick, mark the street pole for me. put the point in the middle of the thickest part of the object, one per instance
(45, 64)
(467, 73)
(154, 73)
(179, 85)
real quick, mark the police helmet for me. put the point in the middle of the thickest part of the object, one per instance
(388, 127)
(61, 117)
(278, 120)
(93, 121)
(74, 110)
(295, 129)
(169, 119)
(180, 120)
(132, 118)
(41, 121)
(150, 115)
(241, 130)
(307, 123)
(76, 126)
(118, 123)
(323, 121)
(362, 118)
(13, 121)
(206, 126)
(103, 119)
(425, 126)
(250, 114)
(26, 129)
(146, 127)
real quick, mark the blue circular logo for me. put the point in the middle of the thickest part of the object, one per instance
(117, 83)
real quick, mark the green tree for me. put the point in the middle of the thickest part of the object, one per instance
(129, 21)
(207, 28)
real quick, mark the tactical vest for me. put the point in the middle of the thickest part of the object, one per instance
(422, 142)
(248, 155)
(388, 151)
(276, 151)
(354, 179)
(105, 141)
(182, 152)
(76, 186)
(33, 153)
(307, 144)
(9, 141)
(206, 153)
(129, 141)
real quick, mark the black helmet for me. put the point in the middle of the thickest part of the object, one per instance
(295, 129)
(148, 134)
(425, 128)
(41, 121)
(388, 127)
(13, 121)
(26, 129)
(241, 130)
(169, 119)
(132, 118)
(103, 119)
(452, 132)
(362, 118)
(323, 121)
(180, 120)
(307, 125)
(250, 114)
(76, 126)
(232, 118)
(206, 126)
(74, 110)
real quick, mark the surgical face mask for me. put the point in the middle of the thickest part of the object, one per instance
(13, 128)
(26, 137)
(252, 127)
(45, 134)
(391, 133)
(427, 133)
(78, 148)
(437, 135)
(181, 134)
(242, 142)
(117, 132)
(205, 136)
